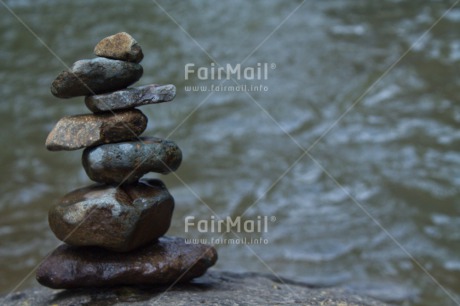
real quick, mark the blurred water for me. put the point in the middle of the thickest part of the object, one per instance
(393, 159)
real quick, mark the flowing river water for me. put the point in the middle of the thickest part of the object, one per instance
(350, 147)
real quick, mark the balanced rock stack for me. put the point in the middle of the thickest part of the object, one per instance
(113, 230)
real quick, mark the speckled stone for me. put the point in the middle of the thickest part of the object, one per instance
(131, 97)
(95, 76)
(120, 46)
(119, 219)
(127, 162)
(80, 131)
(168, 261)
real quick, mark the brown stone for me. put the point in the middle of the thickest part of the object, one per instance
(80, 131)
(168, 261)
(117, 218)
(120, 46)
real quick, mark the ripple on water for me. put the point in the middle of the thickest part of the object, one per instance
(444, 227)
(320, 251)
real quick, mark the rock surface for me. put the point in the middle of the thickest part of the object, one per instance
(80, 131)
(119, 219)
(213, 288)
(131, 97)
(167, 261)
(120, 46)
(95, 76)
(127, 162)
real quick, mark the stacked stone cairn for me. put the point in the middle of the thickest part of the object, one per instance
(113, 230)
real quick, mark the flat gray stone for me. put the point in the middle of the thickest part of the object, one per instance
(120, 46)
(127, 162)
(80, 131)
(164, 262)
(95, 76)
(131, 97)
(213, 288)
(116, 218)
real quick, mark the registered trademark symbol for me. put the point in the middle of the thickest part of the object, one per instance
(273, 66)
(272, 218)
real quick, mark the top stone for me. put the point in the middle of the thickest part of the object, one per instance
(120, 46)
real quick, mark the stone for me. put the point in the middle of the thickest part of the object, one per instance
(95, 76)
(167, 261)
(116, 218)
(120, 46)
(215, 287)
(127, 162)
(131, 97)
(79, 131)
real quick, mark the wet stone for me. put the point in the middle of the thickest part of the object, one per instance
(95, 76)
(165, 262)
(120, 46)
(116, 218)
(79, 131)
(131, 97)
(127, 162)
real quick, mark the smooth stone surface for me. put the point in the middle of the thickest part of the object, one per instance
(127, 162)
(131, 97)
(119, 219)
(120, 46)
(95, 76)
(80, 131)
(168, 261)
(213, 288)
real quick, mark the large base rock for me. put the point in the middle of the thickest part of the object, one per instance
(117, 218)
(168, 261)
